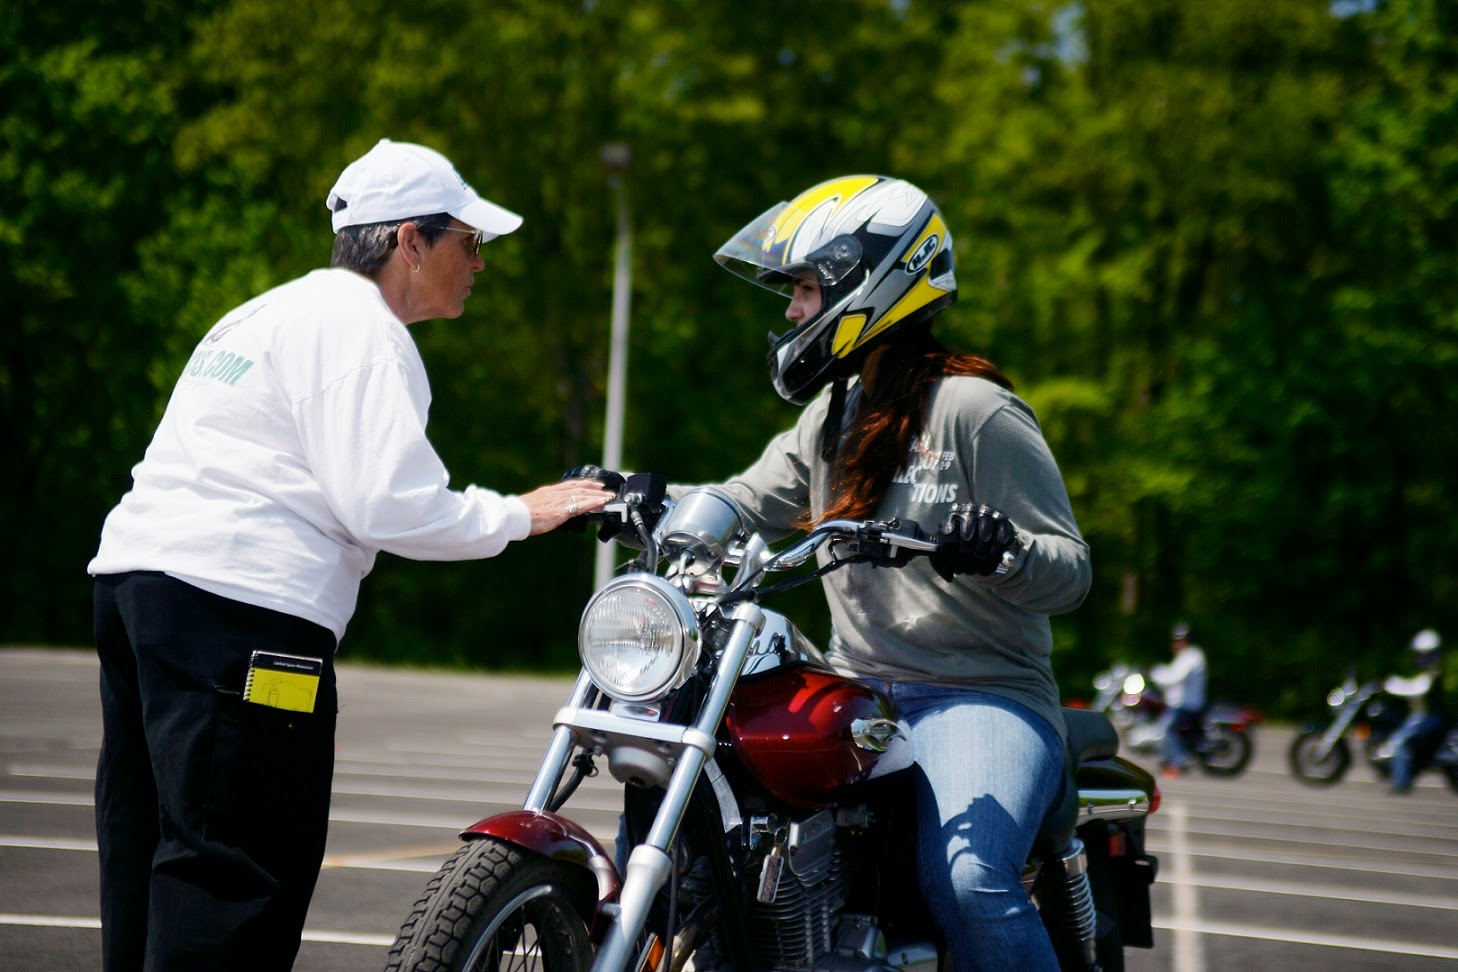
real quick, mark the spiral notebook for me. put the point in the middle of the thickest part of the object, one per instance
(282, 681)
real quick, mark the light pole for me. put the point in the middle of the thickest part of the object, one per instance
(616, 157)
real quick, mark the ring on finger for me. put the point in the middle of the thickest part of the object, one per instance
(571, 504)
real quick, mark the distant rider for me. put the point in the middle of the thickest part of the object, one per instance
(1420, 732)
(1183, 684)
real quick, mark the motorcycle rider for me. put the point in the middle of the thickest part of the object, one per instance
(910, 430)
(1183, 683)
(1425, 725)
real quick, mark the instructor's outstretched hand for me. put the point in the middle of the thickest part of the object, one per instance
(551, 506)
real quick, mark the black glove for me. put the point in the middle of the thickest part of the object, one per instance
(972, 541)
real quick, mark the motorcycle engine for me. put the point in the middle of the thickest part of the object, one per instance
(792, 921)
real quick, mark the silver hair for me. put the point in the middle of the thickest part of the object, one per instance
(365, 248)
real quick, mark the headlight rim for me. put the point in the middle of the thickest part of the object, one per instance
(689, 644)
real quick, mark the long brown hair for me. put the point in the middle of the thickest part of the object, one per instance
(895, 381)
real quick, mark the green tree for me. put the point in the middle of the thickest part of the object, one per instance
(85, 159)
(1212, 243)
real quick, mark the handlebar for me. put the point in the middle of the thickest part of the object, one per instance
(701, 535)
(876, 539)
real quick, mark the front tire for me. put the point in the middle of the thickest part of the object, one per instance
(1309, 767)
(1225, 752)
(493, 907)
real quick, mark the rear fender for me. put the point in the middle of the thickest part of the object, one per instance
(554, 837)
(1238, 718)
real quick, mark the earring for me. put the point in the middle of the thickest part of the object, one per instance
(415, 269)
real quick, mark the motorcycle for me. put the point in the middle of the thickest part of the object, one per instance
(1221, 741)
(756, 832)
(1320, 754)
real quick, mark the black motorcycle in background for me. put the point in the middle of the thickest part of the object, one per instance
(1321, 755)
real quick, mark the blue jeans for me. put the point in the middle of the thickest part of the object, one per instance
(987, 771)
(1416, 734)
(1179, 725)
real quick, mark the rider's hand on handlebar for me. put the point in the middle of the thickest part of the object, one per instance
(973, 540)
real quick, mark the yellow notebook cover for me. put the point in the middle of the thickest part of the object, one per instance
(282, 681)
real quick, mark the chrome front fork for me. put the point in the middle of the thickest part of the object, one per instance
(649, 864)
(1337, 729)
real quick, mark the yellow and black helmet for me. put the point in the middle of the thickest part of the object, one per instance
(881, 254)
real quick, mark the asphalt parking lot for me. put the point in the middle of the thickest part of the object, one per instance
(1256, 872)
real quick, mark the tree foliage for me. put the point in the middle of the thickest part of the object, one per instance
(1214, 245)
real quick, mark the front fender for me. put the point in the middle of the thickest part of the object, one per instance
(555, 837)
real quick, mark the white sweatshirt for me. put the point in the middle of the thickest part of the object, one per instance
(293, 450)
(1182, 679)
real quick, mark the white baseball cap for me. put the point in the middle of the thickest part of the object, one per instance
(399, 180)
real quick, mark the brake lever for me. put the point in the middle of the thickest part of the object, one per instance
(887, 543)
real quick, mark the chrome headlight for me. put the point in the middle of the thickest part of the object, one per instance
(638, 638)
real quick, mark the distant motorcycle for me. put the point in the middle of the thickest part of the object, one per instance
(1222, 741)
(1320, 754)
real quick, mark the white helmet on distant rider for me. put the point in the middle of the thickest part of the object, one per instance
(881, 254)
(1425, 645)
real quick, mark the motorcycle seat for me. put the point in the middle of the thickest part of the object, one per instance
(1090, 736)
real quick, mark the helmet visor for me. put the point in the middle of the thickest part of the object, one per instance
(771, 251)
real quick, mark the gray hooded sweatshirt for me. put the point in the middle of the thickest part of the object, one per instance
(979, 444)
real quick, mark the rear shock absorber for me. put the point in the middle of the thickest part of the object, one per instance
(1080, 921)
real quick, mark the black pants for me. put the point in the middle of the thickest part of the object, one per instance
(211, 812)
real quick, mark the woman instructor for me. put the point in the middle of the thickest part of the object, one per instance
(293, 450)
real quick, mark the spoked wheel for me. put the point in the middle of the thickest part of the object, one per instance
(1310, 766)
(1225, 752)
(495, 908)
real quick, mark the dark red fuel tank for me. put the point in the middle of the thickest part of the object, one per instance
(793, 728)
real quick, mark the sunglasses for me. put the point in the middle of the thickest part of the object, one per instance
(477, 238)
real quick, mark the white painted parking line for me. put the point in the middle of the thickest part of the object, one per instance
(1357, 840)
(47, 843)
(348, 938)
(385, 860)
(1188, 956)
(1428, 820)
(1291, 936)
(484, 795)
(50, 921)
(1360, 895)
(454, 824)
(45, 799)
(46, 772)
(78, 921)
(1209, 928)
(1361, 865)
